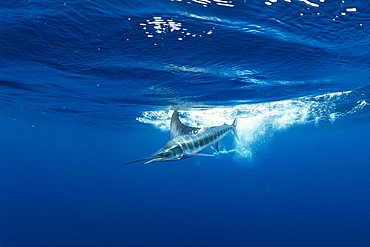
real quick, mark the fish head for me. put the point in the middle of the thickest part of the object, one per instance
(170, 152)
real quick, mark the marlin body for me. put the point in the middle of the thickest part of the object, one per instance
(188, 141)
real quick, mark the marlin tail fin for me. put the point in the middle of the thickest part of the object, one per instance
(234, 128)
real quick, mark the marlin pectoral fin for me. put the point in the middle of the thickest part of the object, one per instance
(204, 155)
(215, 146)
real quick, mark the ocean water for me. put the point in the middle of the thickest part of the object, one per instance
(86, 86)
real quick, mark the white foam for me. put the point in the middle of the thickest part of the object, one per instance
(258, 122)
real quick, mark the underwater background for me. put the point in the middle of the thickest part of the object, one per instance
(88, 85)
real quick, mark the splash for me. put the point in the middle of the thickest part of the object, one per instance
(258, 122)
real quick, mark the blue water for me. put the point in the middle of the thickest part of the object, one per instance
(86, 86)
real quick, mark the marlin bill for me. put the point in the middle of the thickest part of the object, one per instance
(186, 141)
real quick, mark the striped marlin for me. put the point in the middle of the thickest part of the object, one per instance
(188, 141)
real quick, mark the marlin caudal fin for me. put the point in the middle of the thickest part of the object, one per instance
(234, 128)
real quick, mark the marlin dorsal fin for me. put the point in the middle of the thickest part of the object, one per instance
(177, 128)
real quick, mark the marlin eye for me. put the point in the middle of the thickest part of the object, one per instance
(165, 153)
